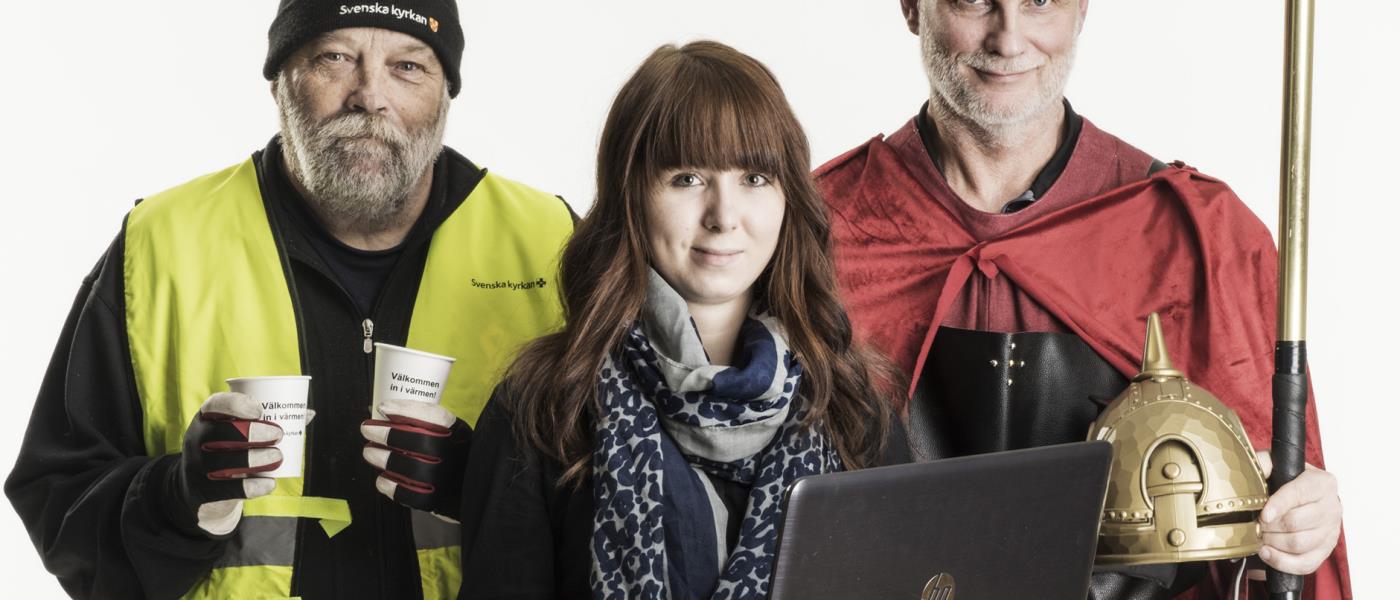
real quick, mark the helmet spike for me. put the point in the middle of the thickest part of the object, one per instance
(1155, 362)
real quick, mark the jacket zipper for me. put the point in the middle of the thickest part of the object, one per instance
(367, 347)
(367, 331)
(367, 328)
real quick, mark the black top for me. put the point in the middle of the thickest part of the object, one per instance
(524, 537)
(94, 502)
(928, 132)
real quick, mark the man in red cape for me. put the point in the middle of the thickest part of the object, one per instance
(998, 210)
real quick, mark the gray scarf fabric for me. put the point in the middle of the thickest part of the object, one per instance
(667, 325)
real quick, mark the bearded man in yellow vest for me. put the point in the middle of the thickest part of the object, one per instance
(138, 476)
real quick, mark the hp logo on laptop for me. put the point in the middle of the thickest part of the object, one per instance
(941, 587)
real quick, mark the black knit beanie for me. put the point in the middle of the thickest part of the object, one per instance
(433, 21)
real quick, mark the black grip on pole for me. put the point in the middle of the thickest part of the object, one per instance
(1289, 441)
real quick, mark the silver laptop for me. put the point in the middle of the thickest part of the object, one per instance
(1019, 524)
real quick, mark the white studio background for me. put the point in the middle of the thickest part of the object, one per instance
(109, 101)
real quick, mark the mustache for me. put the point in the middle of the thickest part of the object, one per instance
(983, 61)
(335, 130)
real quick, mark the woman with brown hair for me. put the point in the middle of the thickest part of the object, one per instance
(705, 363)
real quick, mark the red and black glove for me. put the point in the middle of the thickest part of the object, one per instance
(421, 452)
(226, 443)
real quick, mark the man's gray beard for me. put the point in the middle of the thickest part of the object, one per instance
(954, 92)
(360, 183)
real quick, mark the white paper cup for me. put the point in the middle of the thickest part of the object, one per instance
(283, 401)
(407, 374)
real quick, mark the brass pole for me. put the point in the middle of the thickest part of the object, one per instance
(1290, 383)
(1293, 184)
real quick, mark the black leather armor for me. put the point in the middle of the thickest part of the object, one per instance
(984, 391)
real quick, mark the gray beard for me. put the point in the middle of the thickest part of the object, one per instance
(358, 170)
(954, 95)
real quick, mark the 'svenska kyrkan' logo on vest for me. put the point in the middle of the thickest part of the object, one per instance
(941, 587)
(510, 285)
(391, 10)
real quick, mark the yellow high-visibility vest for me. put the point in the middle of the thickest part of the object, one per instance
(207, 299)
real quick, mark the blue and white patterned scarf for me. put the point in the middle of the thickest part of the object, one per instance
(669, 417)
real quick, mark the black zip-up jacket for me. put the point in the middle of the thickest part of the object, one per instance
(95, 504)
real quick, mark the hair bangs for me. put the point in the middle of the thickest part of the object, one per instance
(717, 116)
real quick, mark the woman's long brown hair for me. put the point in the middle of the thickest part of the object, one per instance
(703, 105)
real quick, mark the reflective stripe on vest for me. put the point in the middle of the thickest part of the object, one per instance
(207, 299)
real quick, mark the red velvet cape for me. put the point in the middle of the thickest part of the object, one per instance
(1179, 243)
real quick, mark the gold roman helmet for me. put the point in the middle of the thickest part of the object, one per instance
(1185, 484)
